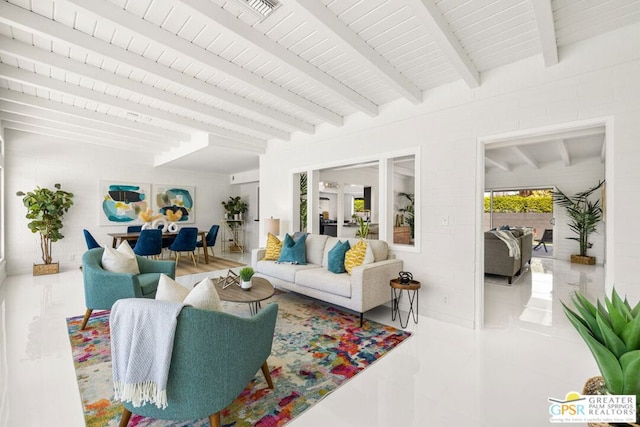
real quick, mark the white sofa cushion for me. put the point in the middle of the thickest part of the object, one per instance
(315, 246)
(286, 272)
(326, 281)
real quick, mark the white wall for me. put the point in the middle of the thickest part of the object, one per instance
(575, 178)
(3, 201)
(594, 79)
(249, 193)
(34, 160)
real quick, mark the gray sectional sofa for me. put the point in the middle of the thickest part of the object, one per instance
(496, 254)
(365, 288)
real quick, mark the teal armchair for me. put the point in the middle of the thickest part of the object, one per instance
(102, 288)
(215, 355)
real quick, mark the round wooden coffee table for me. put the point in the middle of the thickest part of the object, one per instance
(261, 289)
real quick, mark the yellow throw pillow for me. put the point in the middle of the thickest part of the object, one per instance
(355, 256)
(274, 246)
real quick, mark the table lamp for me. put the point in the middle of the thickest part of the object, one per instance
(272, 225)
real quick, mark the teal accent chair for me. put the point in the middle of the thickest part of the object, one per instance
(102, 288)
(215, 355)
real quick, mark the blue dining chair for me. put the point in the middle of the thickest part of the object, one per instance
(210, 239)
(91, 242)
(149, 243)
(185, 242)
(133, 229)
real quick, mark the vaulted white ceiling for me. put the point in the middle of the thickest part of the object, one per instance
(205, 84)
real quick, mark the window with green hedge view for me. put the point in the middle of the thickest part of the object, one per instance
(539, 201)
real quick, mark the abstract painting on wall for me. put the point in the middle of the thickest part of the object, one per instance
(178, 199)
(122, 202)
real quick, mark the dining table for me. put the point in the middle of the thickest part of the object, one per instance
(119, 237)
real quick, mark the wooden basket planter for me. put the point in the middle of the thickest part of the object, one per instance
(593, 387)
(585, 260)
(42, 269)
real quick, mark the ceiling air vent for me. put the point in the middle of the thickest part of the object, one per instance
(258, 8)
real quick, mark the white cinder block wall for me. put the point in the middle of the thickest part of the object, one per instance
(34, 160)
(594, 79)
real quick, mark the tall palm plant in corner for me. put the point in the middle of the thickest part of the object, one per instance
(584, 214)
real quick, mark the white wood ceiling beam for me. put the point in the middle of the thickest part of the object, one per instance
(221, 17)
(37, 80)
(40, 56)
(37, 24)
(429, 13)
(323, 16)
(92, 118)
(546, 30)
(118, 16)
(526, 156)
(563, 148)
(85, 139)
(80, 130)
(501, 165)
(64, 121)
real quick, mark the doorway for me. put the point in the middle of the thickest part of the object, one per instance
(570, 155)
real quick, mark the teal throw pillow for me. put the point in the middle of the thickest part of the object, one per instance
(294, 252)
(336, 257)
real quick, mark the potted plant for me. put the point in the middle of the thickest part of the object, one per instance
(408, 212)
(230, 207)
(234, 207)
(246, 273)
(612, 333)
(584, 217)
(45, 209)
(363, 228)
(240, 208)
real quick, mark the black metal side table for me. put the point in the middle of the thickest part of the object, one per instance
(412, 289)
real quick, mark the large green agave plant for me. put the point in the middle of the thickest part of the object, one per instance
(612, 333)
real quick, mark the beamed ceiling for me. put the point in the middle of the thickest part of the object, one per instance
(204, 84)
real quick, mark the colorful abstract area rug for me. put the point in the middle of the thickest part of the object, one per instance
(316, 349)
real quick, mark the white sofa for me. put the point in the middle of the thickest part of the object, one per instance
(365, 288)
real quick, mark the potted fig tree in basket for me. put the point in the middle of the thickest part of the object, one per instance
(612, 333)
(584, 216)
(45, 209)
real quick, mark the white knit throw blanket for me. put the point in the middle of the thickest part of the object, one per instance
(142, 332)
(511, 242)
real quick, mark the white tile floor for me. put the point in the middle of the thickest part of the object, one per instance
(444, 375)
